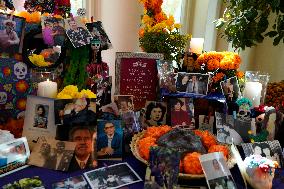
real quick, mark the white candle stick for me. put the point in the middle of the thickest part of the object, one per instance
(196, 45)
(252, 91)
(47, 89)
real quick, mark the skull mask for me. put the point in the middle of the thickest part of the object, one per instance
(3, 97)
(20, 70)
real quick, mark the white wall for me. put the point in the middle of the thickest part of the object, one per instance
(200, 18)
(121, 20)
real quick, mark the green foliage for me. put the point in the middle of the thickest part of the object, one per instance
(170, 44)
(245, 22)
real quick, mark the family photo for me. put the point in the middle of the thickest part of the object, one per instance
(52, 154)
(155, 114)
(53, 31)
(192, 83)
(124, 103)
(109, 141)
(231, 89)
(77, 182)
(226, 182)
(11, 33)
(41, 116)
(114, 176)
(181, 112)
(269, 149)
(164, 168)
(77, 32)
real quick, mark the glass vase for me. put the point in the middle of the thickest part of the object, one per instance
(255, 87)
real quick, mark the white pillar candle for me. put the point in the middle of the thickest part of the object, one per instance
(47, 89)
(196, 45)
(252, 91)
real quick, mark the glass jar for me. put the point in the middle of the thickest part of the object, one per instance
(255, 87)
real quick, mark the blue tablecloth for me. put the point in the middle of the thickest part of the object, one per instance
(50, 176)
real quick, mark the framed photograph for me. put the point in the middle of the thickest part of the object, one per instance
(104, 92)
(164, 168)
(11, 33)
(52, 154)
(192, 83)
(77, 32)
(231, 89)
(164, 67)
(124, 103)
(114, 176)
(136, 74)
(269, 149)
(155, 114)
(109, 142)
(181, 112)
(74, 111)
(76, 182)
(206, 123)
(53, 31)
(39, 119)
(216, 171)
(13, 156)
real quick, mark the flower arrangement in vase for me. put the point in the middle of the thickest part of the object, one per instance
(222, 65)
(159, 33)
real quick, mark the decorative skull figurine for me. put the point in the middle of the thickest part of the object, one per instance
(244, 108)
(3, 97)
(20, 70)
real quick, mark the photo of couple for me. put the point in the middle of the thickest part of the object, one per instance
(192, 83)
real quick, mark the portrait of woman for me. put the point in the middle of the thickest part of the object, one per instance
(265, 150)
(41, 115)
(182, 82)
(179, 114)
(155, 114)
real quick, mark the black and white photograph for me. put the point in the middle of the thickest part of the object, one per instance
(39, 119)
(53, 31)
(76, 182)
(13, 155)
(110, 138)
(206, 123)
(52, 154)
(192, 83)
(41, 115)
(230, 130)
(124, 103)
(114, 176)
(11, 33)
(216, 169)
(98, 33)
(182, 112)
(155, 114)
(74, 111)
(77, 32)
(269, 149)
(231, 89)
(226, 182)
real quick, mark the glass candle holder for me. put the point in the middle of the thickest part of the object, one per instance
(46, 85)
(255, 87)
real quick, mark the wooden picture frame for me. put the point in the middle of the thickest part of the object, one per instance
(136, 74)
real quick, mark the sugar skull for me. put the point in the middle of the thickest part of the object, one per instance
(20, 70)
(3, 97)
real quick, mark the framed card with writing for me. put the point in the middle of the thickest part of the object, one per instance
(136, 74)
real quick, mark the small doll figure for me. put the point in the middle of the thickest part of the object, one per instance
(259, 171)
(244, 108)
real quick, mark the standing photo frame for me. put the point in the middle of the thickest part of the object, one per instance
(39, 119)
(136, 74)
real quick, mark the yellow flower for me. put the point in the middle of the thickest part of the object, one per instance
(8, 87)
(63, 96)
(249, 132)
(251, 140)
(70, 90)
(177, 26)
(9, 106)
(87, 94)
(171, 20)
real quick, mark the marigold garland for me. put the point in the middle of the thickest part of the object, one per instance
(275, 95)
(191, 163)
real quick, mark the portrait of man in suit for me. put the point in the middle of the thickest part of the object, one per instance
(63, 156)
(109, 142)
(83, 156)
(197, 86)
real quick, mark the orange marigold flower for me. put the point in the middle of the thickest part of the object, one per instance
(240, 74)
(160, 17)
(141, 32)
(213, 64)
(191, 163)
